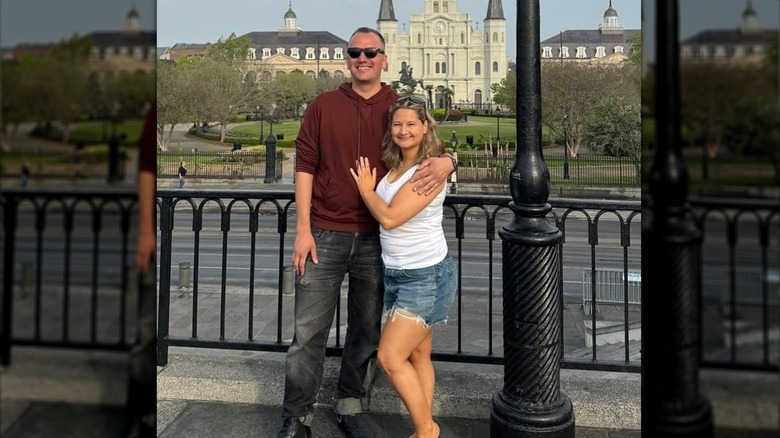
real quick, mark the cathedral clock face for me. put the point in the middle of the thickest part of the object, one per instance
(440, 27)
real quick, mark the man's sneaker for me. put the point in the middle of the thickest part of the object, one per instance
(355, 426)
(293, 428)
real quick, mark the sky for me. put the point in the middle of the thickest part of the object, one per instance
(201, 21)
(50, 21)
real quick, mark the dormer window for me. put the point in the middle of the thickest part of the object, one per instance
(324, 53)
(338, 53)
(294, 52)
(310, 53)
(266, 53)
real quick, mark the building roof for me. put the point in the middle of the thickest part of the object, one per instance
(495, 10)
(117, 39)
(589, 37)
(730, 37)
(297, 39)
(386, 11)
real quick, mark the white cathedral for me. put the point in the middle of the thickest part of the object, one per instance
(441, 47)
(444, 49)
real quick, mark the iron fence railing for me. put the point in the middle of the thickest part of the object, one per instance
(66, 276)
(67, 259)
(584, 171)
(76, 164)
(228, 164)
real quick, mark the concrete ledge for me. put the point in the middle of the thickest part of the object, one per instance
(600, 399)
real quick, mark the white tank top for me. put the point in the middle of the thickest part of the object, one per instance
(418, 243)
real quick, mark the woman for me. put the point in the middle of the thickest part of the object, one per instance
(420, 276)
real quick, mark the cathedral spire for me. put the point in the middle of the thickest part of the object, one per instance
(386, 11)
(495, 10)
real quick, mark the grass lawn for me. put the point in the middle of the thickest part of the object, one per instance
(482, 128)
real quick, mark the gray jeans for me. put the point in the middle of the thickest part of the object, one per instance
(316, 296)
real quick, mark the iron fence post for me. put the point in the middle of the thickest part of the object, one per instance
(531, 404)
(166, 240)
(270, 159)
(672, 405)
(9, 211)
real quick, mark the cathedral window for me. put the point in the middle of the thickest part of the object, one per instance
(495, 67)
(446, 6)
(477, 69)
(495, 37)
(462, 38)
(435, 7)
(444, 67)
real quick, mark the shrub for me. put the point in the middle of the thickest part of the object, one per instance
(455, 115)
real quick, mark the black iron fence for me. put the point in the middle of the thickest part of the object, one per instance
(236, 163)
(76, 164)
(67, 276)
(67, 259)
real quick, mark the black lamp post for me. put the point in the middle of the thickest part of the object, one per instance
(705, 174)
(454, 144)
(565, 147)
(498, 113)
(260, 115)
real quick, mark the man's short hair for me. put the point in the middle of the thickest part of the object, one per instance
(369, 30)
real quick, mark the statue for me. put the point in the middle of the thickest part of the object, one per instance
(407, 79)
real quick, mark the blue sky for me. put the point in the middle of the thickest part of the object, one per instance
(46, 21)
(200, 21)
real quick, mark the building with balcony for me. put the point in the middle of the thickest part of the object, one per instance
(608, 44)
(747, 43)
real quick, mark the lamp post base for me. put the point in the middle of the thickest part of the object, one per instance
(513, 418)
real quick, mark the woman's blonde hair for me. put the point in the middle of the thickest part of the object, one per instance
(430, 145)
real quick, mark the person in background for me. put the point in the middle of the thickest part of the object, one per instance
(182, 173)
(337, 236)
(142, 379)
(24, 175)
(420, 276)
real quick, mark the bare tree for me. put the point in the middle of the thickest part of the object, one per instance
(572, 89)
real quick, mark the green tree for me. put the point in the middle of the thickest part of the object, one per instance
(614, 128)
(223, 92)
(573, 89)
(289, 92)
(753, 128)
(505, 93)
(174, 95)
(232, 51)
(635, 53)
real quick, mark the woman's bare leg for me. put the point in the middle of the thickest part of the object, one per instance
(401, 336)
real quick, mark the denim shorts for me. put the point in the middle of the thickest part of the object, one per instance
(425, 293)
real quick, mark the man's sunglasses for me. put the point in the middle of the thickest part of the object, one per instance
(354, 52)
(413, 99)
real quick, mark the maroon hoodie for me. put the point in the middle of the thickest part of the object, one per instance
(339, 126)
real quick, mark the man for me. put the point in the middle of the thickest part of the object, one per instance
(142, 388)
(336, 235)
